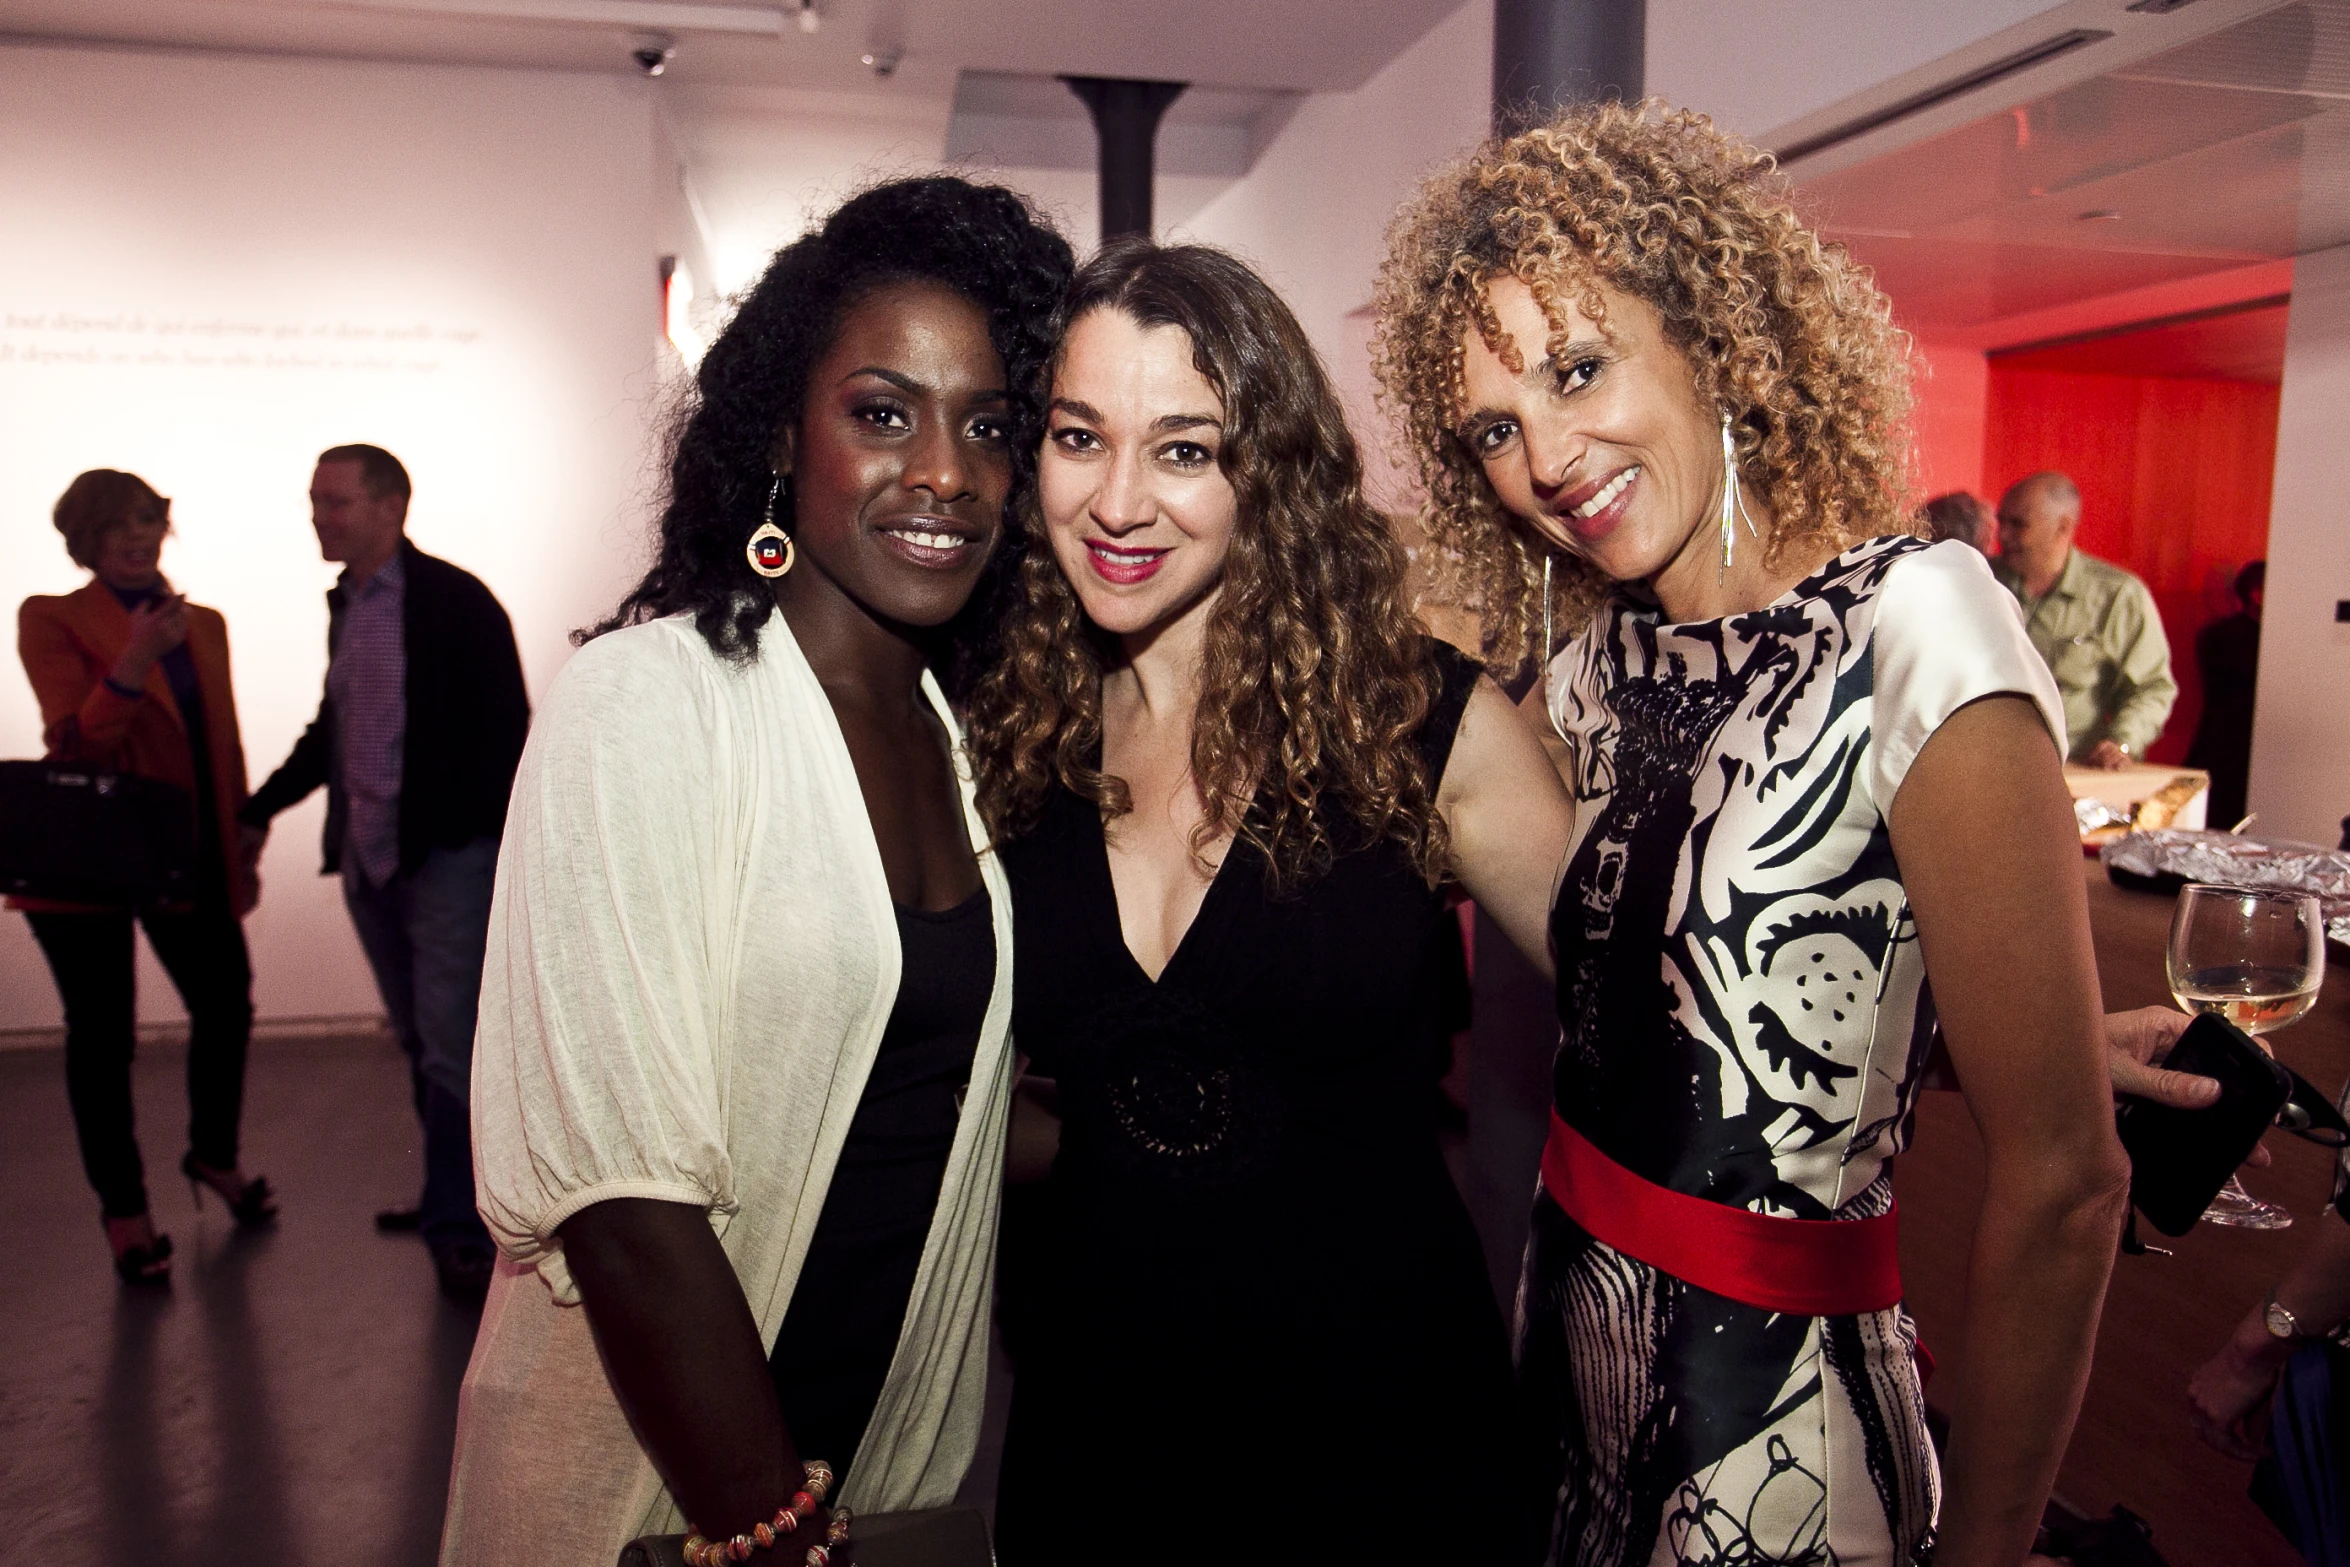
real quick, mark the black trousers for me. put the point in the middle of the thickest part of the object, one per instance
(204, 953)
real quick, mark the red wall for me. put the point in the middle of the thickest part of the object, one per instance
(1946, 419)
(2174, 478)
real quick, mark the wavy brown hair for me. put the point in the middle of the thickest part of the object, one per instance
(1315, 678)
(1782, 330)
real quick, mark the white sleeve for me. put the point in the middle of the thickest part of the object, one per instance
(1946, 634)
(595, 1069)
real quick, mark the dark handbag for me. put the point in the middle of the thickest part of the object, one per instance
(80, 834)
(933, 1537)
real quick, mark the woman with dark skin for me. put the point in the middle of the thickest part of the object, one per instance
(883, 356)
(678, 1340)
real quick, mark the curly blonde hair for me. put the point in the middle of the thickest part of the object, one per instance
(1315, 678)
(1783, 331)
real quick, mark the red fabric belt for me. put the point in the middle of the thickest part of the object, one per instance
(1804, 1267)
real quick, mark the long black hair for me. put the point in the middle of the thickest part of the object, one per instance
(984, 242)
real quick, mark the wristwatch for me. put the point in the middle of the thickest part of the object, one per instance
(2281, 1324)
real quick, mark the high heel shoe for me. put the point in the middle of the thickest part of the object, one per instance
(147, 1262)
(251, 1204)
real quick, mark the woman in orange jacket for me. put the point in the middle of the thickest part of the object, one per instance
(131, 676)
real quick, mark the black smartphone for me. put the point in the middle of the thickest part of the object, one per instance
(2179, 1159)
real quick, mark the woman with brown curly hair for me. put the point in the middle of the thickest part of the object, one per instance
(1813, 770)
(1227, 771)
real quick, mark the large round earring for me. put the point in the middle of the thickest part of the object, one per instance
(770, 550)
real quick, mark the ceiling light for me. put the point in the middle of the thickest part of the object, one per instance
(665, 14)
(2099, 215)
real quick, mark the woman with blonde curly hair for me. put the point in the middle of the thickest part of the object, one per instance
(1814, 779)
(1227, 772)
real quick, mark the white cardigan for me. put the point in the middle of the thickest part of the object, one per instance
(692, 957)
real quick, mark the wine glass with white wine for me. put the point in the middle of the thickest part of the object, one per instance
(2257, 959)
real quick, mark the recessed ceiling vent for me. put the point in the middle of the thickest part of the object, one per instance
(1917, 103)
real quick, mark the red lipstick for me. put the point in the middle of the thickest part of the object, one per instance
(1599, 524)
(1121, 564)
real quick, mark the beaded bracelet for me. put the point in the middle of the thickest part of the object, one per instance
(700, 1552)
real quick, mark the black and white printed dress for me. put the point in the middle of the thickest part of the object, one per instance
(1744, 1015)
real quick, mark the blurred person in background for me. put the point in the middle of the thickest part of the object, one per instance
(1960, 515)
(2228, 653)
(2093, 623)
(2278, 1393)
(132, 677)
(416, 741)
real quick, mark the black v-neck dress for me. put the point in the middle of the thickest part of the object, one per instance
(1248, 1314)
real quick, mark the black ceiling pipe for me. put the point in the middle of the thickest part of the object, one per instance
(1126, 125)
(1550, 54)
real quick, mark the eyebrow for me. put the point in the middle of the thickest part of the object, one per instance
(907, 384)
(1165, 422)
(1547, 369)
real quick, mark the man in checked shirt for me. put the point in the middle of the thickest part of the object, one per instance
(416, 741)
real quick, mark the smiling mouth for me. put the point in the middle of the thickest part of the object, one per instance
(1604, 496)
(1122, 563)
(926, 543)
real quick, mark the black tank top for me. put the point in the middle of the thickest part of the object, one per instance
(1250, 1246)
(841, 1330)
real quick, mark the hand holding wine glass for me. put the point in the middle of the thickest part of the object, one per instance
(2257, 959)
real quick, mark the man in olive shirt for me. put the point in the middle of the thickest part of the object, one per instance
(2093, 623)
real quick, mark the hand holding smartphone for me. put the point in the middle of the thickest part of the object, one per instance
(2179, 1159)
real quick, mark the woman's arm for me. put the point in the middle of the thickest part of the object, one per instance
(1991, 858)
(682, 1352)
(1510, 818)
(2228, 1392)
(597, 1065)
(82, 717)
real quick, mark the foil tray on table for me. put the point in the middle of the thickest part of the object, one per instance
(2168, 858)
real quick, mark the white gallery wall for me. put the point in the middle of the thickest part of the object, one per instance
(213, 266)
(2301, 736)
(1312, 214)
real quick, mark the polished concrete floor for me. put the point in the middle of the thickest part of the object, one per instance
(290, 1398)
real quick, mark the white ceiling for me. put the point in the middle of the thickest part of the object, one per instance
(1036, 122)
(1297, 46)
(2228, 151)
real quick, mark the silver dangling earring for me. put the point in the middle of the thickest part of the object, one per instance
(1548, 711)
(1733, 502)
(770, 550)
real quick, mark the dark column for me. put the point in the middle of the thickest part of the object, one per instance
(1548, 54)
(1126, 123)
